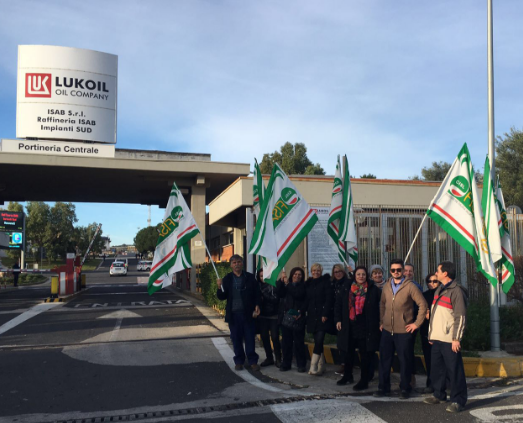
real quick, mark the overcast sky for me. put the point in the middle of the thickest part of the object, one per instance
(394, 85)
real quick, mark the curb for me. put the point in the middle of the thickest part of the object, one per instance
(502, 367)
(64, 299)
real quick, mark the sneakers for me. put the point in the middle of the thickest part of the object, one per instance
(455, 408)
(404, 394)
(238, 367)
(381, 393)
(255, 367)
(267, 362)
(432, 400)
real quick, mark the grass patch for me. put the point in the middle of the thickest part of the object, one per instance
(91, 264)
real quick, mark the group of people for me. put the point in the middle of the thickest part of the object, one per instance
(366, 311)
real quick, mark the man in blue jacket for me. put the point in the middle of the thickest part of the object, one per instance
(242, 293)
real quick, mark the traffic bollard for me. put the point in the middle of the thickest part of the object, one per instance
(54, 286)
(83, 281)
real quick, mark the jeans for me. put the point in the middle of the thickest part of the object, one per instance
(243, 330)
(293, 341)
(270, 326)
(390, 344)
(447, 362)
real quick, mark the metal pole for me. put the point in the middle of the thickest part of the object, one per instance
(494, 308)
(249, 229)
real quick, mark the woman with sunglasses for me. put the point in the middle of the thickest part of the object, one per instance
(432, 283)
(357, 316)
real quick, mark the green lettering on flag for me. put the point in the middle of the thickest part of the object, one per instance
(284, 221)
(172, 252)
(457, 210)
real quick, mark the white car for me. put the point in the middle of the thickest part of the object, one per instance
(144, 265)
(118, 268)
(124, 261)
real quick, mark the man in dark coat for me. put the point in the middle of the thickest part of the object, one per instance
(242, 293)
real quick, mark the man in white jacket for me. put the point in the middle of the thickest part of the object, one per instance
(447, 324)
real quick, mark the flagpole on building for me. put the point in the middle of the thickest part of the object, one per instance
(494, 307)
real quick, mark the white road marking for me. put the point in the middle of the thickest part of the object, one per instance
(487, 414)
(32, 312)
(120, 314)
(150, 353)
(324, 411)
(225, 350)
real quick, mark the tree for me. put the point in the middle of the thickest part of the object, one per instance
(293, 160)
(84, 235)
(509, 166)
(60, 231)
(146, 239)
(368, 176)
(37, 221)
(436, 172)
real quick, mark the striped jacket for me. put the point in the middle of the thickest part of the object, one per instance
(448, 313)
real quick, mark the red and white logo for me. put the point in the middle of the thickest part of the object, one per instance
(38, 84)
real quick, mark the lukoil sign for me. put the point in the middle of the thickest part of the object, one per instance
(66, 93)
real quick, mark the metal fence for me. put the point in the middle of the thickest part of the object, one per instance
(386, 232)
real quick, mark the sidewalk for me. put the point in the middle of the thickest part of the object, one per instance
(490, 365)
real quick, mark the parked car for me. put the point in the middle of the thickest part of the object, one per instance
(118, 268)
(145, 265)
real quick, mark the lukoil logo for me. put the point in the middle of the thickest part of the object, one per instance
(38, 85)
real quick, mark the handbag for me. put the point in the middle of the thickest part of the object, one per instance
(291, 323)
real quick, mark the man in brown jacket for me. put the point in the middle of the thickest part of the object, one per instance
(397, 323)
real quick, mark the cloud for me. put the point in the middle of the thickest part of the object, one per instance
(395, 85)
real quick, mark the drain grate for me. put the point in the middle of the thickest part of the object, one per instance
(201, 410)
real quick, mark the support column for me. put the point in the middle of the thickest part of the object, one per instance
(198, 204)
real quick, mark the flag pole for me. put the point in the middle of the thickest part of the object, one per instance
(495, 344)
(415, 237)
(211, 260)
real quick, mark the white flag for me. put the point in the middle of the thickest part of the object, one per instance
(172, 252)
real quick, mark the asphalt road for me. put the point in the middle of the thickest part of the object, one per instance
(116, 352)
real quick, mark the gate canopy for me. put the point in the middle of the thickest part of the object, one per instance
(132, 176)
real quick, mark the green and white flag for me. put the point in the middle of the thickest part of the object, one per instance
(456, 208)
(341, 215)
(258, 189)
(285, 220)
(172, 252)
(507, 262)
(333, 224)
(491, 214)
(347, 226)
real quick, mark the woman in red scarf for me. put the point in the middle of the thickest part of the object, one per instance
(357, 317)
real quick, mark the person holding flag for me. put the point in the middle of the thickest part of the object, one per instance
(242, 293)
